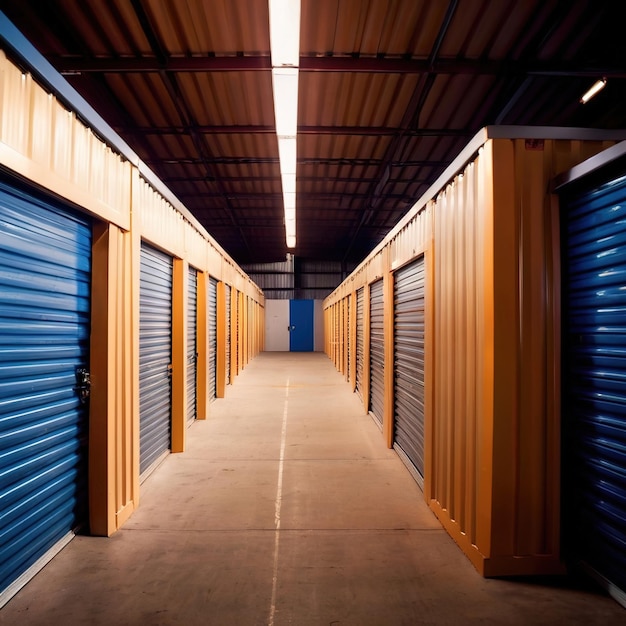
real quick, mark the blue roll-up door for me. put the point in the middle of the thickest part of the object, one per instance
(192, 349)
(155, 356)
(594, 364)
(45, 278)
(212, 338)
(408, 368)
(377, 351)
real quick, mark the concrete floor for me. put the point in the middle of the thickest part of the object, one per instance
(287, 509)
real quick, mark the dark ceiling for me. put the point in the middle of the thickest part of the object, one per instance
(390, 91)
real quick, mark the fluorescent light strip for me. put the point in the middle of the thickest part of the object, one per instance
(285, 50)
(593, 90)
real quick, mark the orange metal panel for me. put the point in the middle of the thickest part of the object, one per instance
(179, 355)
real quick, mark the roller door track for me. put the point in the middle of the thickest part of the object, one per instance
(594, 417)
(409, 365)
(192, 350)
(45, 277)
(155, 354)
(377, 348)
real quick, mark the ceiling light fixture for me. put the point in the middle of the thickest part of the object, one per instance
(593, 90)
(285, 51)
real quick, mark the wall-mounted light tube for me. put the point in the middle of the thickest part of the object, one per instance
(593, 90)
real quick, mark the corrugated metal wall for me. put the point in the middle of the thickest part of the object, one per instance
(44, 143)
(489, 233)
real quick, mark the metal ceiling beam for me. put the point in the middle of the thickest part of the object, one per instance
(325, 195)
(301, 161)
(358, 180)
(302, 130)
(348, 64)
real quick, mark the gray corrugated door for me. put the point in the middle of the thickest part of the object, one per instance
(212, 337)
(192, 348)
(359, 342)
(594, 359)
(155, 356)
(348, 342)
(227, 296)
(377, 350)
(235, 322)
(409, 363)
(45, 283)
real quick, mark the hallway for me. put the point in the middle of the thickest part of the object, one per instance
(287, 508)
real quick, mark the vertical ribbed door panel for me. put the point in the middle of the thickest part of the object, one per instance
(192, 349)
(155, 356)
(359, 342)
(594, 412)
(212, 338)
(349, 346)
(377, 351)
(45, 284)
(227, 296)
(409, 363)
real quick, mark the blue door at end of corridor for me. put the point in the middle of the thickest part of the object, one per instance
(301, 326)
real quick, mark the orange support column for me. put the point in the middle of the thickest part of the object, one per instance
(113, 490)
(179, 355)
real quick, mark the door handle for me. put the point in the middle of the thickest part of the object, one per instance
(83, 384)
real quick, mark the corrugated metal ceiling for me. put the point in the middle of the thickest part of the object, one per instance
(390, 91)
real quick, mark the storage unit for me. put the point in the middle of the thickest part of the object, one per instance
(212, 357)
(228, 331)
(488, 233)
(114, 267)
(408, 365)
(45, 288)
(348, 335)
(377, 352)
(155, 357)
(192, 348)
(359, 342)
(593, 211)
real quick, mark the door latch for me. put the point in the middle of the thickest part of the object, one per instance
(83, 384)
